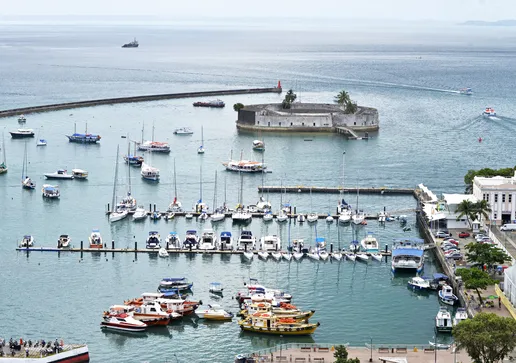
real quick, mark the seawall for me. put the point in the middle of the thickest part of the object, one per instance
(110, 101)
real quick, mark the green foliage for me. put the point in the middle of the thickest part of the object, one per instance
(486, 254)
(482, 209)
(475, 279)
(351, 107)
(487, 337)
(341, 355)
(486, 172)
(466, 208)
(343, 99)
(238, 106)
(290, 97)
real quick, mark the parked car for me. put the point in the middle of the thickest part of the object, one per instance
(486, 240)
(450, 248)
(464, 234)
(449, 244)
(451, 240)
(456, 255)
(480, 236)
(442, 234)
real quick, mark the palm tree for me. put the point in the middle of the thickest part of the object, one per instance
(290, 97)
(482, 209)
(466, 208)
(342, 98)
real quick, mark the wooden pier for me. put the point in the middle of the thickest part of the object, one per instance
(336, 190)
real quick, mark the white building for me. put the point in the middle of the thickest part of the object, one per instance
(509, 284)
(451, 202)
(500, 193)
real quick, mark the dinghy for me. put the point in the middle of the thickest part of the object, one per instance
(162, 252)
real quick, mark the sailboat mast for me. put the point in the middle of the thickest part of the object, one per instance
(143, 129)
(200, 183)
(116, 176)
(241, 189)
(24, 163)
(263, 175)
(202, 136)
(153, 131)
(175, 180)
(281, 194)
(128, 166)
(215, 192)
(3, 149)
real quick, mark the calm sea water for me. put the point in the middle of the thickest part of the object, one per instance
(428, 134)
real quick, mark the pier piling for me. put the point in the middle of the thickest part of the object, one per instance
(331, 247)
(135, 245)
(150, 207)
(113, 244)
(82, 247)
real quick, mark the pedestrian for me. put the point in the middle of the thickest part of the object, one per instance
(499, 302)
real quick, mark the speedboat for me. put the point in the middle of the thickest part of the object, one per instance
(301, 218)
(466, 91)
(64, 241)
(329, 219)
(50, 191)
(247, 241)
(258, 145)
(79, 174)
(208, 240)
(149, 173)
(446, 295)
(264, 255)
(226, 241)
(173, 242)
(139, 214)
(27, 183)
(241, 215)
(59, 174)
(163, 252)
(270, 243)
(460, 315)
(369, 243)
(489, 112)
(443, 321)
(216, 288)
(27, 241)
(150, 313)
(418, 283)
(153, 240)
(183, 131)
(191, 239)
(214, 312)
(95, 239)
(123, 322)
(179, 284)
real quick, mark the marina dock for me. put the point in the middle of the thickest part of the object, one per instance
(336, 190)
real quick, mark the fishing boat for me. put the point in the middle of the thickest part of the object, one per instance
(180, 284)
(153, 240)
(95, 239)
(418, 283)
(226, 241)
(50, 191)
(149, 173)
(407, 254)
(460, 315)
(258, 145)
(244, 166)
(3, 164)
(123, 322)
(489, 112)
(173, 242)
(466, 91)
(267, 323)
(27, 182)
(216, 288)
(140, 213)
(163, 252)
(446, 295)
(183, 131)
(64, 241)
(133, 44)
(214, 312)
(22, 119)
(22, 133)
(443, 321)
(439, 345)
(79, 174)
(59, 174)
(246, 241)
(85, 138)
(369, 243)
(270, 243)
(27, 241)
(208, 240)
(116, 214)
(200, 149)
(213, 104)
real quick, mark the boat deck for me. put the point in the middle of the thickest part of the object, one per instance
(34, 352)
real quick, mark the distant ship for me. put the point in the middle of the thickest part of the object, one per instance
(133, 44)
(215, 103)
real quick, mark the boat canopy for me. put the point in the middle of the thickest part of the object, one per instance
(439, 276)
(225, 234)
(246, 233)
(191, 231)
(407, 252)
(153, 232)
(320, 239)
(50, 189)
(172, 233)
(95, 231)
(173, 279)
(27, 236)
(355, 242)
(170, 293)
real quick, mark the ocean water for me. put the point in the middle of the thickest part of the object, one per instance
(429, 134)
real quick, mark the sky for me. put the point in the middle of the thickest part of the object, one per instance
(409, 10)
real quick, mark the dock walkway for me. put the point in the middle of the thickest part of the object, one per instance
(307, 189)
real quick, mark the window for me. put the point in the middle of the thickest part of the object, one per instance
(496, 199)
(503, 198)
(291, 124)
(303, 124)
(484, 196)
(258, 122)
(495, 215)
(314, 123)
(487, 197)
(510, 198)
(280, 123)
(268, 123)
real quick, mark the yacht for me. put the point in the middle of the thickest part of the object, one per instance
(153, 240)
(154, 146)
(191, 239)
(50, 191)
(95, 239)
(150, 173)
(208, 240)
(226, 241)
(27, 241)
(460, 315)
(59, 174)
(345, 216)
(489, 112)
(79, 174)
(22, 133)
(140, 213)
(443, 321)
(173, 242)
(123, 322)
(369, 243)
(246, 241)
(64, 241)
(241, 215)
(270, 243)
(117, 215)
(407, 254)
(183, 131)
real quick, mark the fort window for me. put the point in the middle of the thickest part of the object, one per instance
(268, 123)
(280, 124)
(355, 123)
(291, 124)
(303, 124)
(258, 122)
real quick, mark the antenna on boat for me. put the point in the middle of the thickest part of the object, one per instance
(75, 127)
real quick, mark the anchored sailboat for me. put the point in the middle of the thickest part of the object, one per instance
(3, 164)
(176, 205)
(218, 213)
(116, 214)
(27, 182)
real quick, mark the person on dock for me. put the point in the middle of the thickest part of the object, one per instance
(499, 302)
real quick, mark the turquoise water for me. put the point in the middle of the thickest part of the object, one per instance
(428, 134)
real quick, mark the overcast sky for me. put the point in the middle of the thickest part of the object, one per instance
(443, 10)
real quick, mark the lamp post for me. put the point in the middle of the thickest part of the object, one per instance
(371, 358)
(343, 156)
(435, 348)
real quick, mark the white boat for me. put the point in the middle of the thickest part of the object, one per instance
(214, 312)
(337, 256)
(282, 216)
(248, 255)
(345, 216)
(163, 252)
(241, 215)
(258, 145)
(443, 321)
(324, 255)
(246, 241)
(208, 240)
(216, 288)
(183, 131)
(123, 322)
(139, 214)
(270, 243)
(369, 243)
(59, 174)
(446, 295)
(118, 215)
(407, 254)
(149, 173)
(200, 149)
(354, 246)
(244, 166)
(27, 241)
(418, 283)
(173, 242)
(377, 256)
(27, 182)
(268, 217)
(50, 191)
(153, 240)
(381, 217)
(154, 146)
(329, 219)
(79, 174)
(287, 256)
(203, 216)
(362, 256)
(440, 346)
(189, 215)
(298, 255)
(489, 112)
(22, 119)
(351, 256)
(301, 218)
(64, 241)
(226, 241)
(264, 255)
(312, 217)
(95, 239)
(276, 255)
(191, 239)
(358, 217)
(314, 255)
(460, 315)
(22, 133)
(466, 91)
(41, 142)
(218, 216)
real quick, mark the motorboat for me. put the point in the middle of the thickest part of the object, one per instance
(163, 252)
(270, 243)
(85, 138)
(41, 142)
(226, 241)
(418, 283)
(123, 322)
(79, 174)
(64, 241)
(489, 112)
(354, 246)
(208, 240)
(50, 191)
(301, 218)
(248, 255)
(22, 133)
(218, 215)
(27, 241)
(369, 243)
(282, 216)
(95, 239)
(381, 217)
(201, 149)
(408, 254)
(191, 239)
(264, 255)
(460, 315)
(27, 183)
(153, 240)
(443, 321)
(216, 288)
(117, 215)
(377, 256)
(241, 215)
(246, 241)
(134, 159)
(183, 131)
(312, 217)
(258, 145)
(324, 255)
(133, 44)
(446, 295)
(362, 256)
(336, 256)
(351, 256)
(329, 219)
(214, 312)
(150, 313)
(466, 91)
(245, 166)
(149, 172)
(276, 255)
(154, 146)
(179, 284)
(139, 214)
(59, 174)
(268, 323)
(358, 217)
(22, 119)
(268, 217)
(173, 242)
(345, 216)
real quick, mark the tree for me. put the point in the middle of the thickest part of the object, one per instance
(351, 107)
(486, 172)
(341, 355)
(290, 97)
(487, 254)
(342, 98)
(238, 106)
(482, 209)
(487, 337)
(475, 279)
(466, 208)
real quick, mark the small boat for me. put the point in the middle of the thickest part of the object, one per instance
(301, 218)
(446, 295)
(41, 142)
(270, 243)
(200, 149)
(203, 216)
(27, 241)
(59, 174)
(149, 173)
(312, 217)
(189, 215)
(287, 256)
(337, 256)
(226, 241)
(139, 214)
(460, 315)
(50, 191)
(264, 255)
(443, 321)
(258, 145)
(216, 288)
(377, 256)
(64, 241)
(183, 131)
(117, 215)
(191, 239)
(268, 323)
(163, 252)
(123, 322)
(268, 217)
(27, 182)
(153, 240)
(329, 219)
(345, 216)
(324, 255)
(214, 312)
(173, 242)
(134, 159)
(133, 44)
(22, 133)
(358, 217)
(246, 241)
(282, 216)
(418, 283)
(381, 217)
(218, 215)
(241, 215)
(214, 104)
(79, 174)
(155, 216)
(354, 246)
(249, 255)
(245, 166)
(276, 256)
(22, 119)
(298, 255)
(489, 112)
(180, 284)
(208, 240)
(466, 91)
(95, 239)
(169, 216)
(351, 256)
(362, 257)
